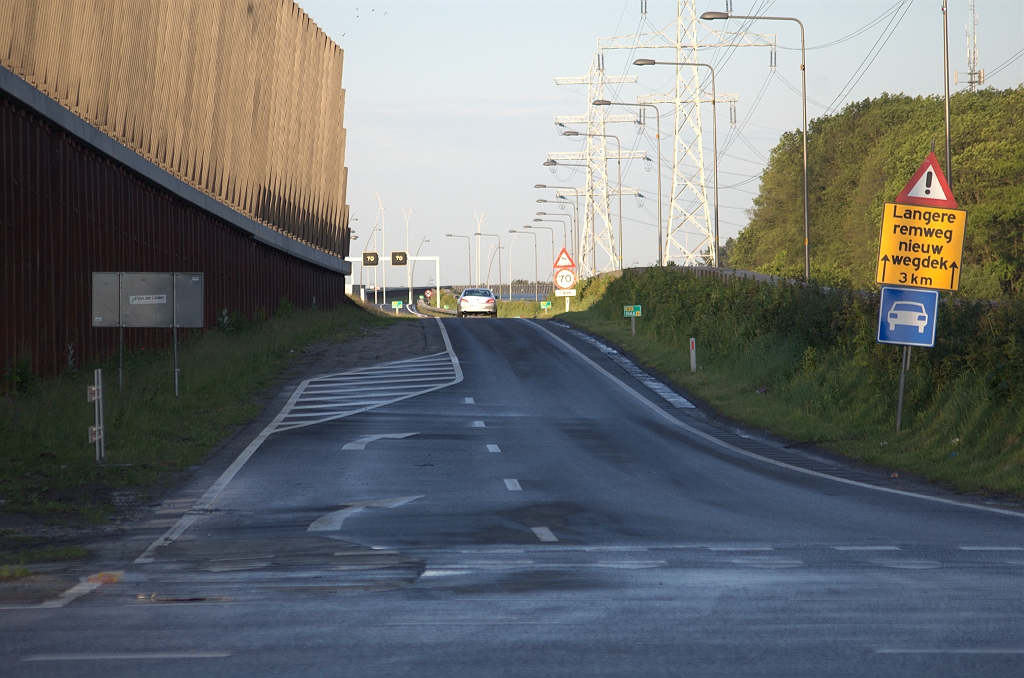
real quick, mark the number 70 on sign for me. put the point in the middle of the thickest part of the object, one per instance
(565, 279)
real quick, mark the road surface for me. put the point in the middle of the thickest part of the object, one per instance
(521, 505)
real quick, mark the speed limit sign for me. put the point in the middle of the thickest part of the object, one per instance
(565, 279)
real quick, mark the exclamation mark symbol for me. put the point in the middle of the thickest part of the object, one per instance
(928, 183)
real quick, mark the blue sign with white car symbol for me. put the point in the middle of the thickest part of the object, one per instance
(908, 316)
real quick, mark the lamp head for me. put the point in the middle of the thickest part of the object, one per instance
(550, 163)
(710, 16)
(447, 235)
(539, 186)
(538, 220)
(570, 133)
(644, 62)
(602, 102)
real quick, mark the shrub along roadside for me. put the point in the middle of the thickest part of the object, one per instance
(47, 466)
(827, 381)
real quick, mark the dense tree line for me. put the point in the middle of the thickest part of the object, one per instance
(860, 158)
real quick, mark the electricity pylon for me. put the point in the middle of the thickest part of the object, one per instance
(689, 236)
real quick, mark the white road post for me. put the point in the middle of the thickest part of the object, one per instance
(693, 354)
(95, 395)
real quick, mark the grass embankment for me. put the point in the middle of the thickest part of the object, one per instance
(47, 466)
(803, 363)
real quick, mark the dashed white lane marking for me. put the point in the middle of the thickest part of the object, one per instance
(365, 440)
(992, 548)
(740, 548)
(478, 424)
(908, 564)
(120, 656)
(493, 448)
(513, 485)
(544, 534)
(866, 548)
(204, 503)
(751, 455)
(470, 401)
(332, 521)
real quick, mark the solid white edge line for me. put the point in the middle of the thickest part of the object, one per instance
(211, 494)
(710, 438)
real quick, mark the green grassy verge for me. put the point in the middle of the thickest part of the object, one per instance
(8, 573)
(47, 466)
(822, 377)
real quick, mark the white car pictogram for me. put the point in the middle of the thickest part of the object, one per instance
(907, 313)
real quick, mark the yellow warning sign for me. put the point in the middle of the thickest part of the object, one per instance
(921, 247)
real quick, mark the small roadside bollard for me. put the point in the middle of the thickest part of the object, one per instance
(95, 393)
(632, 312)
(397, 305)
(693, 354)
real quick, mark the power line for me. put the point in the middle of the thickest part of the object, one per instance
(865, 64)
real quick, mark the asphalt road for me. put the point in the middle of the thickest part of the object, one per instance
(537, 513)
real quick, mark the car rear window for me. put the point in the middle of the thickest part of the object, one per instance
(477, 293)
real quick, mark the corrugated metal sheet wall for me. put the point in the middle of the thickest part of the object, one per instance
(241, 99)
(66, 211)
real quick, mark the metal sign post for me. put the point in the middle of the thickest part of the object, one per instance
(920, 249)
(904, 368)
(632, 312)
(147, 300)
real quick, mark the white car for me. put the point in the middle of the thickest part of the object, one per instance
(908, 313)
(476, 301)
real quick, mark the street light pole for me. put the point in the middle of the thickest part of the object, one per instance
(573, 226)
(707, 16)
(945, 82)
(714, 133)
(551, 232)
(489, 235)
(574, 133)
(565, 237)
(408, 269)
(413, 260)
(511, 275)
(657, 113)
(575, 219)
(535, 267)
(469, 256)
(479, 224)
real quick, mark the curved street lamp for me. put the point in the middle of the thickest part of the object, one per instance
(574, 133)
(551, 232)
(710, 16)
(714, 133)
(535, 269)
(657, 113)
(469, 255)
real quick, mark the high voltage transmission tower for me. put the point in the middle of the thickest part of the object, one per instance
(689, 236)
(597, 194)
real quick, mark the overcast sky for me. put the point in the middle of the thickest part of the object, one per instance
(450, 106)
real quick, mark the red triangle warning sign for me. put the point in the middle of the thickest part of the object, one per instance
(564, 260)
(928, 187)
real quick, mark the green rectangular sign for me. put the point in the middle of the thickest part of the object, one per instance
(631, 311)
(545, 304)
(396, 304)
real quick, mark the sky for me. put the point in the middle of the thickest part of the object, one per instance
(450, 106)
